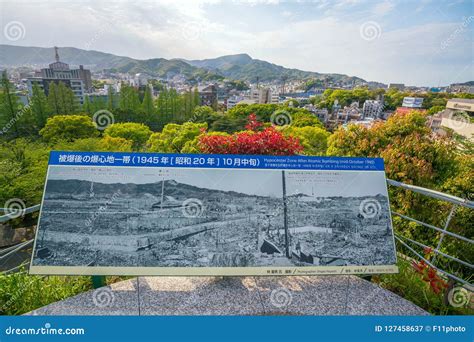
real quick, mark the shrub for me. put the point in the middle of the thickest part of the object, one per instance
(136, 132)
(69, 128)
(174, 138)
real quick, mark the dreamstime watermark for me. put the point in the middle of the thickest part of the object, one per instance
(459, 30)
(47, 329)
(18, 294)
(281, 297)
(281, 118)
(192, 207)
(370, 30)
(102, 208)
(369, 208)
(458, 120)
(14, 31)
(192, 30)
(13, 120)
(460, 297)
(98, 33)
(103, 119)
(14, 208)
(103, 297)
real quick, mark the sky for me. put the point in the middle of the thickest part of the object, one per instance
(425, 42)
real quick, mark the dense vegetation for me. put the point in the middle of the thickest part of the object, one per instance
(177, 123)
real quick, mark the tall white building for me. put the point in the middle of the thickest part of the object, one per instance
(372, 109)
(263, 95)
(78, 80)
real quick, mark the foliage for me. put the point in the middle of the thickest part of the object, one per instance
(147, 105)
(9, 107)
(106, 143)
(23, 165)
(313, 139)
(409, 284)
(236, 117)
(21, 292)
(428, 273)
(204, 114)
(39, 106)
(129, 100)
(61, 99)
(135, 132)
(176, 138)
(435, 109)
(302, 118)
(412, 155)
(68, 127)
(269, 141)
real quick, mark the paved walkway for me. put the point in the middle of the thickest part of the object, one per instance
(326, 295)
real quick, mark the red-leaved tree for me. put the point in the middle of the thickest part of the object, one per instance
(269, 141)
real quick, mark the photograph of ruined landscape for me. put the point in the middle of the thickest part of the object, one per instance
(185, 217)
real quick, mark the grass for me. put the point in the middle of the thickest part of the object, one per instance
(21, 293)
(409, 285)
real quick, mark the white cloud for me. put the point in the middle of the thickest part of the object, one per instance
(329, 43)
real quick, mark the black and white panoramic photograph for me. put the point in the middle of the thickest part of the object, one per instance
(183, 217)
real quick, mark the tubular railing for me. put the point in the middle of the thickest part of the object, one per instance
(404, 241)
(456, 202)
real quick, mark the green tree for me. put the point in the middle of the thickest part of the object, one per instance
(61, 99)
(176, 138)
(110, 99)
(136, 132)
(86, 106)
(313, 139)
(204, 114)
(129, 99)
(147, 105)
(39, 106)
(106, 143)
(435, 109)
(9, 108)
(169, 106)
(68, 128)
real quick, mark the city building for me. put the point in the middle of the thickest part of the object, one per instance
(372, 109)
(466, 105)
(140, 80)
(78, 80)
(233, 100)
(263, 95)
(322, 114)
(458, 117)
(208, 95)
(412, 102)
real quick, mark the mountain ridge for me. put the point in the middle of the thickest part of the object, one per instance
(238, 66)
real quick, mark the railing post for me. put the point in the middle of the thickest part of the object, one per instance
(446, 225)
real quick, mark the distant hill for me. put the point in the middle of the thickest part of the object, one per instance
(11, 56)
(468, 83)
(243, 67)
(81, 188)
(238, 67)
(37, 57)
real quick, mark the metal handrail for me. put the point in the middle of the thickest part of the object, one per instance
(457, 236)
(17, 248)
(14, 213)
(434, 194)
(456, 201)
